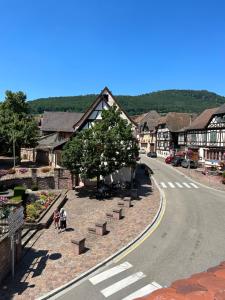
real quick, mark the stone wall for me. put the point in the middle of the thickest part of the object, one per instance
(5, 255)
(60, 179)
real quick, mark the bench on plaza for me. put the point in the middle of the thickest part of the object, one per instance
(127, 202)
(117, 213)
(100, 228)
(109, 215)
(121, 203)
(91, 230)
(79, 245)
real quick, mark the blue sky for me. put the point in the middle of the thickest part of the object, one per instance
(73, 47)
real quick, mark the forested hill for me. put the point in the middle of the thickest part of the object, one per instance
(162, 101)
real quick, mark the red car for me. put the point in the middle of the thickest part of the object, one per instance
(169, 159)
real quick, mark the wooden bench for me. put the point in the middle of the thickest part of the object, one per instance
(79, 245)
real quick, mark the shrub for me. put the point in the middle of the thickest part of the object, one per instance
(223, 174)
(2, 187)
(31, 212)
(19, 191)
(39, 207)
(43, 197)
(34, 187)
(45, 169)
(16, 200)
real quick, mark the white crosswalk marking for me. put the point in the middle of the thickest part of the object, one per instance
(156, 284)
(122, 284)
(185, 184)
(171, 185)
(179, 185)
(163, 185)
(109, 273)
(194, 185)
(149, 288)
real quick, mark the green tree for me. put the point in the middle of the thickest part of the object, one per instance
(16, 124)
(101, 150)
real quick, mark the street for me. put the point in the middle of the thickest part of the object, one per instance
(189, 239)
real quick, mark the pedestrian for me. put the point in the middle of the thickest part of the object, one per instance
(56, 217)
(63, 216)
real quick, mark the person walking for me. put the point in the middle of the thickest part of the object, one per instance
(56, 217)
(63, 217)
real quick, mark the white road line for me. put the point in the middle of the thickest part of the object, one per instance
(122, 284)
(171, 185)
(156, 284)
(185, 184)
(163, 185)
(179, 185)
(149, 288)
(109, 273)
(194, 185)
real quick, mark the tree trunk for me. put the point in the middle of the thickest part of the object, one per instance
(98, 181)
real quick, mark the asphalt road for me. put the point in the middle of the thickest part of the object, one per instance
(189, 239)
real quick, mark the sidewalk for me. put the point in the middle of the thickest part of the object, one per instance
(209, 180)
(51, 262)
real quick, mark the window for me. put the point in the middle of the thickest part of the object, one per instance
(193, 137)
(204, 137)
(212, 136)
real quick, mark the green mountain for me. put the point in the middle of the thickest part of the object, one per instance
(192, 101)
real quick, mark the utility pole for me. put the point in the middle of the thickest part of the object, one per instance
(14, 145)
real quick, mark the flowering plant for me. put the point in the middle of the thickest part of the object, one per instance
(3, 200)
(23, 170)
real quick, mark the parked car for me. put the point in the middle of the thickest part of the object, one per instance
(142, 151)
(193, 163)
(152, 154)
(169, 159)
(177, 161)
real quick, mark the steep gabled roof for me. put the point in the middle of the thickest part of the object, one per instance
(95, 104)
(202, 120)
(221, 110)
(50, 141)
(138, 118)
(151, 119)
(60, 121)
(176, 121)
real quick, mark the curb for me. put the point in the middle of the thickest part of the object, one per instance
(113, 256)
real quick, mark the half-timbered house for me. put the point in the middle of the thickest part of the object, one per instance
(197, 134)
(147, 132)
(58, 127)
(168, 130)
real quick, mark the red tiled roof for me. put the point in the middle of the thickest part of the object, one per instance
(209, 285)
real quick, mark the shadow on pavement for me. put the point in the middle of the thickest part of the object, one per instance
(32, 264)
